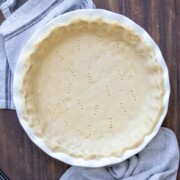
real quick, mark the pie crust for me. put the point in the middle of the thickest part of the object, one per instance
(92, 88)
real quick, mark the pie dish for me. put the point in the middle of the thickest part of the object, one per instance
(93, 88)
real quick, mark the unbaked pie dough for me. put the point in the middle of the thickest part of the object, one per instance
(92, 88)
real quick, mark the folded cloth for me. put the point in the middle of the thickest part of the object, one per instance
(158, 161)
(18, 28)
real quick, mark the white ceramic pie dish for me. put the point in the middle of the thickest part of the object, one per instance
(18, 77)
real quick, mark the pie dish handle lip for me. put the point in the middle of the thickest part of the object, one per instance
(20, 70)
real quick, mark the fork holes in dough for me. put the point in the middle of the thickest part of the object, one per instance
(90, 79)
(117, 48)
(107, 90)
(71, 72)
(99, 54)
(123, 107)
(120, 75)
(110, 122)
(95, 110)
(65, 121)
(133, 95)
(133, 68)
(60, 57)
(69, 88)
(89, 130)
(80, 104)
(78, 45)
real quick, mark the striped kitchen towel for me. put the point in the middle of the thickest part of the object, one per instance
(18, 28)
(3, 176)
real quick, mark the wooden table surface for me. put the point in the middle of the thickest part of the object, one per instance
(21, 159)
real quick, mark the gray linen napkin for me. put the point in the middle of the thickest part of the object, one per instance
(158, 161)
(18, 28)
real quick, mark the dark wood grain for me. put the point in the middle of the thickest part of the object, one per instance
(177, 42)
(1, 17)
(21, 159)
